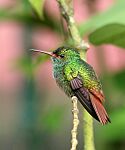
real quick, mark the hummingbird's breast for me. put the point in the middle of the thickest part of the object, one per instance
(59, 76)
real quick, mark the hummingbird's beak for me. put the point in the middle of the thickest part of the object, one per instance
(44, 52)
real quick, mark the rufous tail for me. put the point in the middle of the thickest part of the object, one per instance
(100, 110)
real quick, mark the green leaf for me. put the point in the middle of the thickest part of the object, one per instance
(109, 34)
(114, 15)
(38, 6)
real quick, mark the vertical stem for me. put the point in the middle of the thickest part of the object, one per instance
(88, 132)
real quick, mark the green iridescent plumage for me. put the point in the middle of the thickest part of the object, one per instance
(76, 77)
(71, 66)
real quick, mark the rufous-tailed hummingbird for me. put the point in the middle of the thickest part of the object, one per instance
(77, 78)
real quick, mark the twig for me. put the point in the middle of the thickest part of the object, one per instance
(66, 9)
(75, 112)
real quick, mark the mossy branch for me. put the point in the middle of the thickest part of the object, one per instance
(66, 9)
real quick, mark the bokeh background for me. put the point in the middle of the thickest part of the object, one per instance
(34, 113)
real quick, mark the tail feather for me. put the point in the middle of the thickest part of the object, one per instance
(100, 110)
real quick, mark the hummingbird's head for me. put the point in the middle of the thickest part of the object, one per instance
(65, 54)
(62, 54)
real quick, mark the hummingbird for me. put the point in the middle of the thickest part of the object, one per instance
(77, 78)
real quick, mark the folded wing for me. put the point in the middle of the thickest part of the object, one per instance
(89, 100)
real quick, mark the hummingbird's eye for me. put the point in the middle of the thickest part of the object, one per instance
(61, 56)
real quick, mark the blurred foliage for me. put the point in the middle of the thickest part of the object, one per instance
(114, 15)
(119, 80)
(26, 65)
(113, 131)
(24, 13)
(38, 6)
(107, 27)
(110, 23)
(53, 119)
(29, 66)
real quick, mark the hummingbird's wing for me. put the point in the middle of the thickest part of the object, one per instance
(89, 100)
(83, 96)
